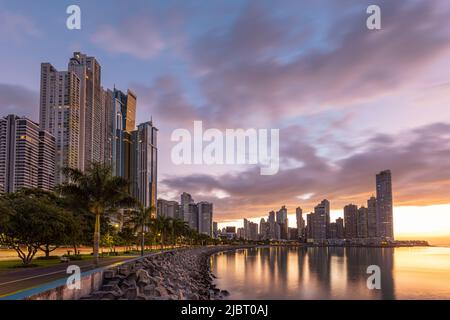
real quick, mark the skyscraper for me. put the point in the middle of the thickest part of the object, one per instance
(300, 222)
(372, 217)
(272, 228)
(92, 110)
(145, 164)
(362, 222)
(340, 228)
(350, 221)
(185, 201)
(282, 220)
(263, 229)
(385, 228)
(46, 161)
(22, 147)
(321, 220)
(59, 114)
(123, 109)
(169, 209)
(205, 217)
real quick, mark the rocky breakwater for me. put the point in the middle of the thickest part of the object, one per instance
(175, 275)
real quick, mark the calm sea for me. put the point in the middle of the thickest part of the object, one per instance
(333, 273)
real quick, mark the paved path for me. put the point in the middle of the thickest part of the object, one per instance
(19, 280)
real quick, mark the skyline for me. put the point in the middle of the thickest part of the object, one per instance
(369, 118)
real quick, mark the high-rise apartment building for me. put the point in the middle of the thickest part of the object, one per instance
(350, 221)
(362, 222)
(300, 222)
(185, 200)
(22, 149)
(340, 234)
(144, 164)
(92, 111)
(323, 209)
(59, 114)
(123, 109)
(46, 161)
(108, 127)
(169, 209)
(320, 220)
(372, 217)
(385, 227)
(205, 217)
(282, 220)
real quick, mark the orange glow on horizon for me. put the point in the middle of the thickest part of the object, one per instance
(410, 222)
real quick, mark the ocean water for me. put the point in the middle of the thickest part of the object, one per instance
(333, 273)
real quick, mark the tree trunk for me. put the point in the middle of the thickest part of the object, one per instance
(96, 239)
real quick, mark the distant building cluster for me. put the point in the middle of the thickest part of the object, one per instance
(373, 223)
(199, 216)
(79, 123)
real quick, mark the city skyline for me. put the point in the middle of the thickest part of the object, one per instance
(371, 224)
(383, 107)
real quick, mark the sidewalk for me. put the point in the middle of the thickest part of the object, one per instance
(22, 279)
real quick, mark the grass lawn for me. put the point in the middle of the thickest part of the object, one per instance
(16, 264)
(9, 265)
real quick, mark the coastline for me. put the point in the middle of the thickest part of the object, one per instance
(182, 274)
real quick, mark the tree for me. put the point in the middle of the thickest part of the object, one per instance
(162, 225)
(60, 223)
(178, 229)
(28, 223)
(141, 219)
(127, 236)
(99, 192)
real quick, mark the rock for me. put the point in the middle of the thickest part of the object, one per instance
(108, 274)
(128, 284)
(110, 287)
(149, 290)
(161, 291)
(194, 296)
(178, 275)
(131, 293)
(124, 271)
(143, 276)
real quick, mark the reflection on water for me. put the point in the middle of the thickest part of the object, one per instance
(333, 273)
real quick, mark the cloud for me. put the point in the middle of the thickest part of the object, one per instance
(18, 100)
(417, 158)
(144, 36)
(130, 39)
(16, 28)
(245, 80)
(166, 102)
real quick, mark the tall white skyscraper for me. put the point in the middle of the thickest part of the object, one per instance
(59, 114)
(92, 109)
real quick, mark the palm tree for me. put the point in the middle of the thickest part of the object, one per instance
(99, 192)
(142, 219)
(162, 225)
(178, 229)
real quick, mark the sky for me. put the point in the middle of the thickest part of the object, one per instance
(348, 101)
